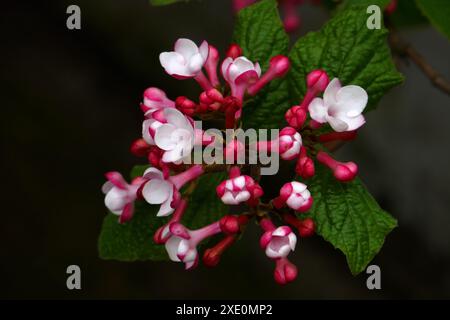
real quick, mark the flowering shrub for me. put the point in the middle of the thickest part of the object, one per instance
(316, 94)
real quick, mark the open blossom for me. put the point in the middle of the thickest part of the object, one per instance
(341, 107)
(120, 195)
(239, 74)
(181, 243)
(295, 195)
(187, 60)
(239, 188)
(278, 243)
(175, 136)
(165, 191)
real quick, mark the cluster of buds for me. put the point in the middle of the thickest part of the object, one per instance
(169, 135)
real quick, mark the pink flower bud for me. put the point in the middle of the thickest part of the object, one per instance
(305, 165)
(296, 116)
(140, 148)
(234, 51)
(212, 256)
(317, 80)
(285, 271)
(391, 7)
(306, 228)
(229, 224)
(279, 66)
(185, 105)
(343, 172)
(211, 66)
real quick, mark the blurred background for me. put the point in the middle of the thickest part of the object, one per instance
(70, 108)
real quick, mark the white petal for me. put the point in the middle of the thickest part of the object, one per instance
(173, 155)
(177, 119)
(355, 123)
(174, 63)
(146, 131)
(329, 96)
(272, 253)
(107, 186)
(294, 201)
(242, 196)
(187, 48)
(156, 191)
(292, 240)
(116, 199)
(352, 100)
(172, 248)
(204, 50)
(337, 124)
(228, 198)
(163, 137)
(225, 64)
(195, 63)
(165, 209)
(153, 173)
(239, 182)
(318, 110)
(298, 187)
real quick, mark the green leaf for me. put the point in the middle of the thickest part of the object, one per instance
(345, 48)
(260, 33)
(138, 170)
(134, 240)
(438, 12)
(204, 205)
(349, 218)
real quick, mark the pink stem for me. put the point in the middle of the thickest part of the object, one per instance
(327, 160)
(205, 232)
(181, 179)
(267, 224)
(203, 81)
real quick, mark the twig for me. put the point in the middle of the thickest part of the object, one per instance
(406, 49)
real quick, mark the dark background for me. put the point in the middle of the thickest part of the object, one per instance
(70, 109)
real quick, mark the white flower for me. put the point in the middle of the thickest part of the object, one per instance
(234, 191)
(187, 60)
(290, 142)
(120, 196)
(279, 242)
(295, 195)
(181, 248)
(341, 107)
(176, 136)
(236, 69)
(159, 191)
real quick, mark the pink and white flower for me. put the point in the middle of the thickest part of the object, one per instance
(295, 195)
(120, 195)
(181, 243)
(239, 188)
(155, 99)
(176, 136)
(240, 73)
(187, 60)
(341, 107)
(278, 243)
(165, 191)
(290, 142)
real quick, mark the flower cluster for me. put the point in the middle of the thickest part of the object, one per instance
(169, 135)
